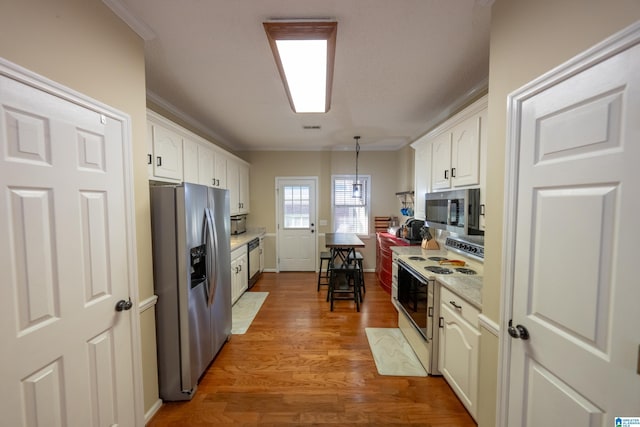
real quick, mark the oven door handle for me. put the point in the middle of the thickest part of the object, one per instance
(430, 309)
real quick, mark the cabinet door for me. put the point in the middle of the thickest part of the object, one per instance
(243, 188)
(234, 280)
(484, 134)
(422, 168)
(243, 279)
(205, 166)
(220, 170)
(261, 254)
(167, 151)
(441, 162)
(465, 153)
(458, 358)
(233, 185)
(150, 157)
(190, 161)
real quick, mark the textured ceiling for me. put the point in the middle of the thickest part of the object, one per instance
(400, 65)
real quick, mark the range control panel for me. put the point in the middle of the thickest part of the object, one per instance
(465, 248)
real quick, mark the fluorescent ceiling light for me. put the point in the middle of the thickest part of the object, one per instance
(304, 52)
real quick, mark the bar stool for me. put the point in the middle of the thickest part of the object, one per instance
(323, 279)
(344, 283)
(359, 261)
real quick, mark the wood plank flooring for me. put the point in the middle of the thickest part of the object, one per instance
(300, 364)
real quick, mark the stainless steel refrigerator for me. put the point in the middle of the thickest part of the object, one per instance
(192, 279)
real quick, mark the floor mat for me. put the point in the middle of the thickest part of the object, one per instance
(392, 353)
(244, 311)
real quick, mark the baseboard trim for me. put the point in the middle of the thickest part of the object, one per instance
(152, 411)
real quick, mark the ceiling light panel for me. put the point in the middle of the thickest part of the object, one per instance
(304, 52)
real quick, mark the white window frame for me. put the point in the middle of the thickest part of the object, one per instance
(367, 195)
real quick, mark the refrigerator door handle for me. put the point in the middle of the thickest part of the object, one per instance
(212, 256)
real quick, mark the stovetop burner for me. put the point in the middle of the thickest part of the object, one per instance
(437, 258)
(466, 271)
(438, 270)
(416, 258)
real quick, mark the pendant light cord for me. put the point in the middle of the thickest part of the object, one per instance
(357, 155)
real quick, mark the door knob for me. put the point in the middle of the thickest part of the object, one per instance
(518, 331)
(124, 305)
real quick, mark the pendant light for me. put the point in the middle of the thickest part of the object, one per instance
(357, 187)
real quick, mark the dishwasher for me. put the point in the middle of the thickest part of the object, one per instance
(254, 261)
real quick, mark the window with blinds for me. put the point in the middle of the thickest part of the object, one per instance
(350, 214)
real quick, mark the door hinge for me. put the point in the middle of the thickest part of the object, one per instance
(638, 370)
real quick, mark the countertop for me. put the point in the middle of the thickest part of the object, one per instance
(237, 240)
(468, 288)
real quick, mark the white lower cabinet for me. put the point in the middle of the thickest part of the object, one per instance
(239, 272)
(459, 342)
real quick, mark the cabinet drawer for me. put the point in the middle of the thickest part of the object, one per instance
(459, 305)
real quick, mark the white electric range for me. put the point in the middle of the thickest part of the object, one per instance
(418, 297)
(459, 258)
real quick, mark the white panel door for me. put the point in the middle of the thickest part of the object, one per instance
(573, 244)
(67, 356)
(296, 224)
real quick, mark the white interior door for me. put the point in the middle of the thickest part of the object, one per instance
(572, 243)
(296, 224)
(67, 357)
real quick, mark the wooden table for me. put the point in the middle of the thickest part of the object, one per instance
(342, 245)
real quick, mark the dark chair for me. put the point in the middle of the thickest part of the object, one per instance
(323, 277)
(359, 261)
(344, 283)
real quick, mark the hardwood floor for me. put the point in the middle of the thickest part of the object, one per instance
(301, 364)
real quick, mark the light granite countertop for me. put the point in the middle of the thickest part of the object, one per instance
(237, 240)
(468, 288)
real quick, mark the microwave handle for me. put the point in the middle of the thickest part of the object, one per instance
(451, 220)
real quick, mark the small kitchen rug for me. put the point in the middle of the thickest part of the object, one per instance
(393, 354)
(244, 311)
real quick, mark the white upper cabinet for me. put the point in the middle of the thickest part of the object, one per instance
(165, 155)
(205, 166)
(176, 154)
(465, 153)
(441, 162)
(190, 161)
(456, 151)
(422, 168)
(220, 170)
(202, 163)
(238, 185)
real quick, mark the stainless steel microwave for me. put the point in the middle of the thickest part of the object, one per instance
(457, 211)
